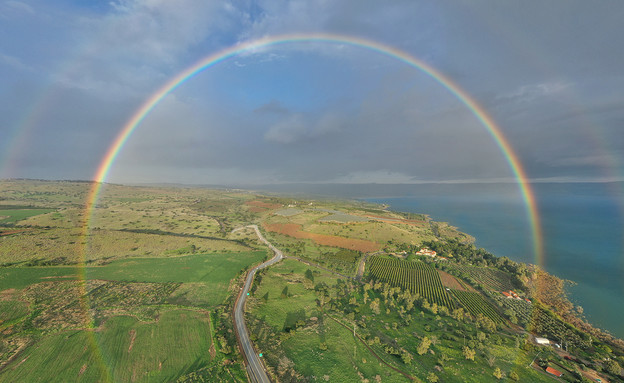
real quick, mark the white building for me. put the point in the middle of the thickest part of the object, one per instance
(542, 340)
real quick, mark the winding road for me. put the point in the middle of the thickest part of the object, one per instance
(255, 367)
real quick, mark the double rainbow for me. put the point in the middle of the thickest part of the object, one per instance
(477, 110)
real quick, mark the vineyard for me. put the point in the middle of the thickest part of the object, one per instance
(417, 277)
(492, 279)
(522, 309)
(542, 322)
(476, 304)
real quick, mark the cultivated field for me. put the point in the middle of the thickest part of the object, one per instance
(145, 292)
(417, 277)
(295, 231)
(123, 350)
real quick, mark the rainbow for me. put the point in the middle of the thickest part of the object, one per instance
(215, 58)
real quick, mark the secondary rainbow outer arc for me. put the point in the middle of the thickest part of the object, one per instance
(477, 110)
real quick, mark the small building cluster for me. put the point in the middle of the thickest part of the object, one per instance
(512, 295)
(431, 253)
(425, 251)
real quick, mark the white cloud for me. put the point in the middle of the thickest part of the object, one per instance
(531, 92)
(14, 62)
(19, 6)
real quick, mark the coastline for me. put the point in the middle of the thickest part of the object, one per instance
(567, 298)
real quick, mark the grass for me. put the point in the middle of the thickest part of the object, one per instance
(71, 244)
(214, 271)
(11, 216)
(338, 362)
(212, 268)
(287, 273)
(380, 232)
(12, 311)
(345, 360)
(123, 350)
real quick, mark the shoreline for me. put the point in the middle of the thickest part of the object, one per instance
(568, 297)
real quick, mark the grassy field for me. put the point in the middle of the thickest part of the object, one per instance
(71, 244)
(345, 359)
(268, 301)
(124, 350)
(380, 232)
(141, 332)
(301, 340)
(9, 216)
(216, 270)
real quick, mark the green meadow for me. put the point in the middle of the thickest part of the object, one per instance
(124, 350)
(215, 269)
(10, 216)
(319, 346)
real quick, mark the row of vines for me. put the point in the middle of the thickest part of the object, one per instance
(417, 277)
(491, 278)
(476, 304)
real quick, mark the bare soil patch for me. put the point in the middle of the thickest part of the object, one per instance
(10, 232)
(450, 281)
(212, 351)
(132, 338)
(294, 230)
(8, 294)
(262, 205)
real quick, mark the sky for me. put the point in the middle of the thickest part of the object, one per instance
(550, 74)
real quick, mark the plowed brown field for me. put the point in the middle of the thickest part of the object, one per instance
(294, 230)
(260, 206)
(451, 282)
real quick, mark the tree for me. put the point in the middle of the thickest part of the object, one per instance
(498, 374)
(458, 314)
(285, 292)
(423, 347)
(481, 336)
(434, 340)
(374, 306)
(486, 323)
(432, 378)
(613, 367)
(514, 376)
(469, 353)
(406, 357)
(309, 275)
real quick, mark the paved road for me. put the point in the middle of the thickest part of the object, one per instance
(254, 366)
(360, 270)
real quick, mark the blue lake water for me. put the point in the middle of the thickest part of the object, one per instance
(583, 229)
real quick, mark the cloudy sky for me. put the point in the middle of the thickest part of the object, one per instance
(551, 74)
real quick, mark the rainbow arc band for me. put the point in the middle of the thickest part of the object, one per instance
(478, 111)
(215, 58)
